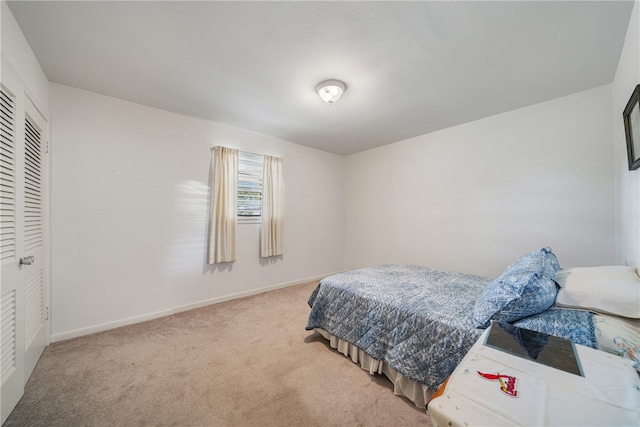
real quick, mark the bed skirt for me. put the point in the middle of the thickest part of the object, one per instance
(416, 392)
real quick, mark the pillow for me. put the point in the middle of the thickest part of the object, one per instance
(611, 290)
(525, 288)
(618, 336)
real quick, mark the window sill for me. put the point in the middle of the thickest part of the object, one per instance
(249, 220)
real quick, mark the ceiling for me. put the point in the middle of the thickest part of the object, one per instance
(410, 67)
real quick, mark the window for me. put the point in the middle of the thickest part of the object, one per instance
(249, 185)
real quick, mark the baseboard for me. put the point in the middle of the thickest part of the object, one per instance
(178, 309)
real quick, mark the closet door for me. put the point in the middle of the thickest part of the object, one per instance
(32, 258)
(12, 298)
(23, 296)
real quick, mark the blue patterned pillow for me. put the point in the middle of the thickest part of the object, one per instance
(525, 288)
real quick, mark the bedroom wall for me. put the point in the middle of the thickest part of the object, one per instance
(474, 197)
(17, 54)
(627, 183)
(129, 209)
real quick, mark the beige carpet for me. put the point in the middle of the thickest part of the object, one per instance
(247, 362)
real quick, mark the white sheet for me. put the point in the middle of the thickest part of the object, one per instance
(608, 394)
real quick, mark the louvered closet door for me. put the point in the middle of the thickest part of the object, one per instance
(23, 132)
(33, 233)
(11, 302)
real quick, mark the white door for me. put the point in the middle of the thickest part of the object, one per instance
(11, 321)
(33, 232)
(23, 134)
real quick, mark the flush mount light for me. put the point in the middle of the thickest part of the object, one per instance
(331, 90)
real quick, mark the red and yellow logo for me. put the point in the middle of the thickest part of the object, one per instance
(507, 382)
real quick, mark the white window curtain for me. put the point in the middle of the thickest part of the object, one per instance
(223, 209)
(272, 229)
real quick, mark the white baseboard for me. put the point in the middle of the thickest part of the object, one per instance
(150, 316)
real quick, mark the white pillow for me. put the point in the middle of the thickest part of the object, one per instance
(611, 290)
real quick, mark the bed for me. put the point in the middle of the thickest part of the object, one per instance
(414, 324)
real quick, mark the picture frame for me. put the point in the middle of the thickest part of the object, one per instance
(631, 116)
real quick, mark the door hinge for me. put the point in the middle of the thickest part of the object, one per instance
(46, 313)
(47, 148)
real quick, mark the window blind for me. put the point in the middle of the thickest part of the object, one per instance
(249, 185)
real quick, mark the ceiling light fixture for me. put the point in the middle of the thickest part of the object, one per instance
(331, 90)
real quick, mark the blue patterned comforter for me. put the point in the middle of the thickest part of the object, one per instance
(416, 319)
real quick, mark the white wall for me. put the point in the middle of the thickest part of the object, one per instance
(474, 197)
(129, 209)
(627, 183)
(17, 54)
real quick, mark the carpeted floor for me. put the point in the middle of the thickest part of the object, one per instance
(247, 362)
